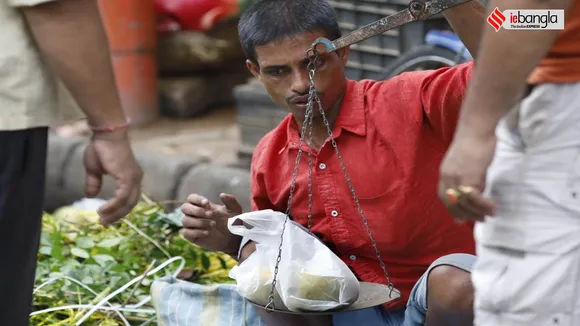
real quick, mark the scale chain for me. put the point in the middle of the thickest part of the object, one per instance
(308, 121)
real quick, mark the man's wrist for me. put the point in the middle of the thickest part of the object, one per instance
(109, 127)
(120, 134)
(243, 242)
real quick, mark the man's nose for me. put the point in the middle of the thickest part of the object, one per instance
(300, 81)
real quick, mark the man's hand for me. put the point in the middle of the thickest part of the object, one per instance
(206, 223)
(463, 173)
(110, 153)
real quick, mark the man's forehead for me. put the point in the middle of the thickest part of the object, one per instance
(287, 50)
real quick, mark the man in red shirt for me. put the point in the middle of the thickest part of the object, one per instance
(392, 136)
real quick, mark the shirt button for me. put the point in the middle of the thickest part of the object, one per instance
(322, 166)
(352, 257)
(334, 213)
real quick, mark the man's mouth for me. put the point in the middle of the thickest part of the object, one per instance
(300, 102)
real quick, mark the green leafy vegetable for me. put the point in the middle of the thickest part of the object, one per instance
(75, 246)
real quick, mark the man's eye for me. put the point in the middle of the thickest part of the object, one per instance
(277, 72)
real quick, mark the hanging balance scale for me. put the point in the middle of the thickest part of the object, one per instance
(370, 294)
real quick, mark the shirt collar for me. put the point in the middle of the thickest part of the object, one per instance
(350, 118)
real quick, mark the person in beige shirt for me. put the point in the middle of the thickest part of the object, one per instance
(54, 59)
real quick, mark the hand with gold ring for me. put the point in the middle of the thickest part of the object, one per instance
(462, 178)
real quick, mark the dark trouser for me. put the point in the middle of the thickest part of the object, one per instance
(22, 175)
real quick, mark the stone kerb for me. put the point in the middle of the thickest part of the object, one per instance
(169, 178)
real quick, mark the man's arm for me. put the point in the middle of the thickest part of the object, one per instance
(439, 94)
(468, 21)
(428, 97)
(72, 39)
(504, 62)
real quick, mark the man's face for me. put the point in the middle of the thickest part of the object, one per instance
(283, 69)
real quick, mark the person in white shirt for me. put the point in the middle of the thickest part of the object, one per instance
(54, 59)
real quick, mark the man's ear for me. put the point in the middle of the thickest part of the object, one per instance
(254, 68)
(343, 54)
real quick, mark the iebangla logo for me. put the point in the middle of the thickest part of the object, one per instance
(552, 19)
(496, 19)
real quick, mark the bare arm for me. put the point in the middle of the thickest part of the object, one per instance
(468, 21)
(505, 61)
(72, 38)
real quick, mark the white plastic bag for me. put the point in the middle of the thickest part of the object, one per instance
(255, 276)
(310, 276)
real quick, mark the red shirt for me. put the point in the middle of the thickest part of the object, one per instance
(392, 136)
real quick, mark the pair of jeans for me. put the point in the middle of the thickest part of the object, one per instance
(414, 313)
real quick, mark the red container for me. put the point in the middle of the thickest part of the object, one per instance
(131, 30)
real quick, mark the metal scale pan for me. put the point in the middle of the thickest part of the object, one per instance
(371, 295)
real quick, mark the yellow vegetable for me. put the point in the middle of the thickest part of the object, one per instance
(315, 287)
(261, 293)
(79, 217)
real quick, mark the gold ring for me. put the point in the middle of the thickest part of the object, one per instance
(453, 195)
(465, 190)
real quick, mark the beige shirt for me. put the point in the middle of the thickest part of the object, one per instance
(30, 95)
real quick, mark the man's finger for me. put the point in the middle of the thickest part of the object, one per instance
(132, 202)
(443, 187)
(123, 210)
(192, 235)
(194, 210)
(94, 173)
(479, 203)
(461, 214)
(231, 203)
(93, 183)
(120, 200)
(112, 211)
(198, 223)
(198, 200)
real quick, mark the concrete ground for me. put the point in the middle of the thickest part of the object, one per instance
(214, 137)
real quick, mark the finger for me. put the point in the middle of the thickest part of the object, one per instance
(198, 223)
(94, 173)
(198, 200)
(470, 200)
(195, 211)
(479, 203)
(113, 217)
(231, 203)
(444, 196)
(114, 207)
(192, 235)
(111, 212)
(454, 206)
(461, 214)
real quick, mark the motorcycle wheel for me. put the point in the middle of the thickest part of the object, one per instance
(422, 57)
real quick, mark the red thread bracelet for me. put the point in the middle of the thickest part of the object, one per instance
(109, 128)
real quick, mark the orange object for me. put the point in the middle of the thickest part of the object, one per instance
(562, 63)
(197, 15)
(131, 30)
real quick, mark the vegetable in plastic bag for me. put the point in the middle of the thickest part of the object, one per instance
(310, 276)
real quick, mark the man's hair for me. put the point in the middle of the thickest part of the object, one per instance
(266, 21)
